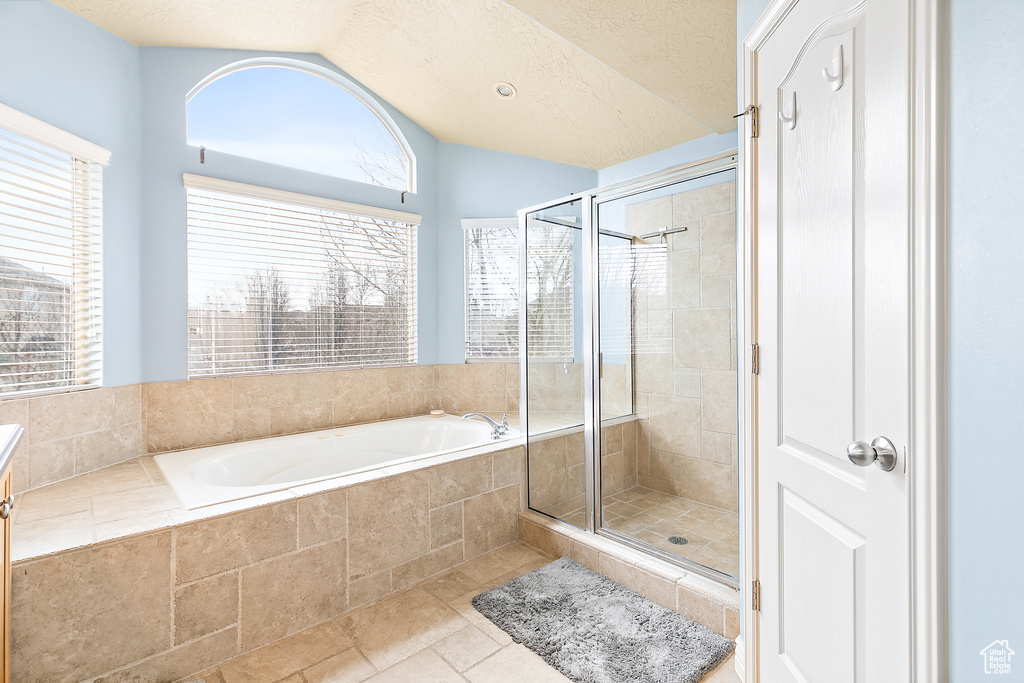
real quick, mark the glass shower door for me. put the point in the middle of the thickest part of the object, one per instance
(668, 311)
(551, 268)
(630, 360)
(615, 363)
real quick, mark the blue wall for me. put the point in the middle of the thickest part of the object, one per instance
(479, 183)
(61, 69)
(673, 156)
(986, 365)
(454, 182)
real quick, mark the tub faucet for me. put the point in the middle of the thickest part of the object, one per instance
(497, 430)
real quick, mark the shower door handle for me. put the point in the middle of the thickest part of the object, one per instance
(600, 365)
(880, 451)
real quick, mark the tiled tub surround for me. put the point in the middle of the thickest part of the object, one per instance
(159, 604)
(685, 376)
(77, 432)
(705, 601)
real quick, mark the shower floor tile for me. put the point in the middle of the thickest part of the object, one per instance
(711, 533)
(444, 639)
(653, 517)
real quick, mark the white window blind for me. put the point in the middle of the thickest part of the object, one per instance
(492, 289)
(550, 281)
(492, 281)
(280, 281)
(50, 245)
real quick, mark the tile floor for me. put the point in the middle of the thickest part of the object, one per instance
(428, 633)
(652, 517)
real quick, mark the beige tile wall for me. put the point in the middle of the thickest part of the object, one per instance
(158, 606)
(555, 387)
(557, 471)
(73, 433)
(616, 390)
(558, 387)
(709, 604)
(686, 382)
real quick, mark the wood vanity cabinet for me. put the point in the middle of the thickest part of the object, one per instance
(5, 609)
(10, 436)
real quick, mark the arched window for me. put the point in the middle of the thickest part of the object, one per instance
(300, 115)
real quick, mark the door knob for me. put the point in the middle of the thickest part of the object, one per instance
(880, 451)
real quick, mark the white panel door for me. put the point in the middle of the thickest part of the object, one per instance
(831, 321)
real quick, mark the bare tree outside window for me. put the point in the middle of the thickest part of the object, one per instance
(50, 274)
(276, 286)
(492, 292)
(549, 313)
(367, 279)
(268, 302)
(36, 344)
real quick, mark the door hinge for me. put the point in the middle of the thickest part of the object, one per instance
(755, 359)
(755, 595)
(752, 110)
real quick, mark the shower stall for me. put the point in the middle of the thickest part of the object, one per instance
(629, 363)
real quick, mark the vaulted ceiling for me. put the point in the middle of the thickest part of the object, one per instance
(598, 81)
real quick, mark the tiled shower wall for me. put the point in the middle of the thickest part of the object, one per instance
(558, 387)
(685, 334)
(77, 432)
(555, 387)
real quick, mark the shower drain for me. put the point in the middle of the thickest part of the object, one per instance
(678, 540)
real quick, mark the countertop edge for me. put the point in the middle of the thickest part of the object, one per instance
(10, 437)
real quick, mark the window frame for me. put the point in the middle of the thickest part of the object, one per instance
(498, 224)
(303, 201)
(568, 353)
(334, 78)
(86, 260)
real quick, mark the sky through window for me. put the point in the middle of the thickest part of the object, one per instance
(293, 118)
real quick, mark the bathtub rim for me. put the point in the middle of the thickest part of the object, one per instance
(230, 508)
(194, 456)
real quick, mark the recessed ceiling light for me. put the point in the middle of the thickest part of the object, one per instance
(505, 91)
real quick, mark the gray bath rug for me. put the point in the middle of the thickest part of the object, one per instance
(595, 631)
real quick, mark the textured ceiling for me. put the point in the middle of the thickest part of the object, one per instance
(599, 81)
(684, 51)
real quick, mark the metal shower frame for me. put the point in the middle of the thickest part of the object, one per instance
(591, 203)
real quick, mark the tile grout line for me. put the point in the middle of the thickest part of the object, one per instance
(147, 658)
(444, 603)
(172, 574)
(348, 556)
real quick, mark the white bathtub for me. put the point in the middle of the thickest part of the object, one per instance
(217, 474)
